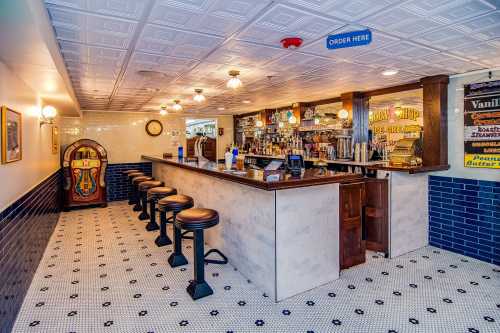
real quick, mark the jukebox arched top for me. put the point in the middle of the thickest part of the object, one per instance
(84, 164)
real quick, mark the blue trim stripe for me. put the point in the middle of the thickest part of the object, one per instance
(117, 185)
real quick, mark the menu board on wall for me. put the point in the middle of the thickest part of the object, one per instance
(482, 125)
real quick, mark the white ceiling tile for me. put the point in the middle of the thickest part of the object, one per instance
(485, 51)
(92, 55)
(175, 42)
(447, 11)
(165, 64)
(446, 38)
(284, 21)
(401, 22)
(298, 63)
(348, 10)
(92, 29)
(244, 54)
(132, 9)
(220, 17)
(483, 27)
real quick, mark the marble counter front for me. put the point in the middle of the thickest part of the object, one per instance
(285, 241)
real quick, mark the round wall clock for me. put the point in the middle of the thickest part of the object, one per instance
(154, 127)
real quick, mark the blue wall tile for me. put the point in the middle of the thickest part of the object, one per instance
(464, 216)
(25, 229)
(117, 185)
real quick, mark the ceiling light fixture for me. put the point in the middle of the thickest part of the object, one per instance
(163, 110)
(343, 114)
(390, 72)
(198, 97)
(234, 82)
(177, 106)
(246, 101)
(221, 108)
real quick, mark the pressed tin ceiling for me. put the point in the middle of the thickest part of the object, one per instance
(194, 43)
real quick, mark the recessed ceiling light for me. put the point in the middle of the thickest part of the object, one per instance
(246, 101)
(221, 108)
(390, 72)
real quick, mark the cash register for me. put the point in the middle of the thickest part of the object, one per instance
(295, 164)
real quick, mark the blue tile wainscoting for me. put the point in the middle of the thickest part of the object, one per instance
(117, 185)
(464, 217)
(25, 229)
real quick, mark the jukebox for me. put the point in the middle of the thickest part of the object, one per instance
(84, 167)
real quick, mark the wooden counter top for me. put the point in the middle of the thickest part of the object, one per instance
(411, 170)
(255, 178)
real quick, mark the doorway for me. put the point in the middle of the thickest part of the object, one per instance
(201, 139)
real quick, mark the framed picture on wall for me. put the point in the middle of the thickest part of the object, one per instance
(55, 139)
(12, 139)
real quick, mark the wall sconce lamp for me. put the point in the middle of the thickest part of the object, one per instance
(48, 115)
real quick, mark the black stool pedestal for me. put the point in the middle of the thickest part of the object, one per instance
(199, 288)
(137, 199)
(197, 220)
(177, 258)
(162, 239)
(144, 205)
(152, 225)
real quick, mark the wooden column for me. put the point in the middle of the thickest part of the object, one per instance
(357, 105)
(435, 137)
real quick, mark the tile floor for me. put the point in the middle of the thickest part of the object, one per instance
(102, 272)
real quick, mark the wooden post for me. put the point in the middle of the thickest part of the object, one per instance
(435, 110)
(357, 105)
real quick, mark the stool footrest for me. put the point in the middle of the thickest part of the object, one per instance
(216, 261)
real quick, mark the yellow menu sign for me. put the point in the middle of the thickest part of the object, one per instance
(491, 161)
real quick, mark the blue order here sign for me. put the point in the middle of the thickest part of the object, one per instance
(349, 39)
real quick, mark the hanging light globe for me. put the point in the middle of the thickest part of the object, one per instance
(234, 82)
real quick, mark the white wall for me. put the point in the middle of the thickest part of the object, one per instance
(38, 161)
(125, 139)
(456, 129)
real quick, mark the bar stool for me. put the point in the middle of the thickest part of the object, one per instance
(131, 186)
(143, 195)
(175, 204)
(197, 220)
(135, 182)
(126, 172)
(154, 195)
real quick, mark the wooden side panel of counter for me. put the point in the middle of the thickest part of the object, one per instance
(352, 245)
(377, 214)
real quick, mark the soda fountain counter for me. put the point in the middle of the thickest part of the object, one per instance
(283, 236)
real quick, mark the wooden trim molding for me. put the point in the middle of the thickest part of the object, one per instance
(435, 113)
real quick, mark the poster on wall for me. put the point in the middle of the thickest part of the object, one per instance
(482, 125)
(12, 145)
